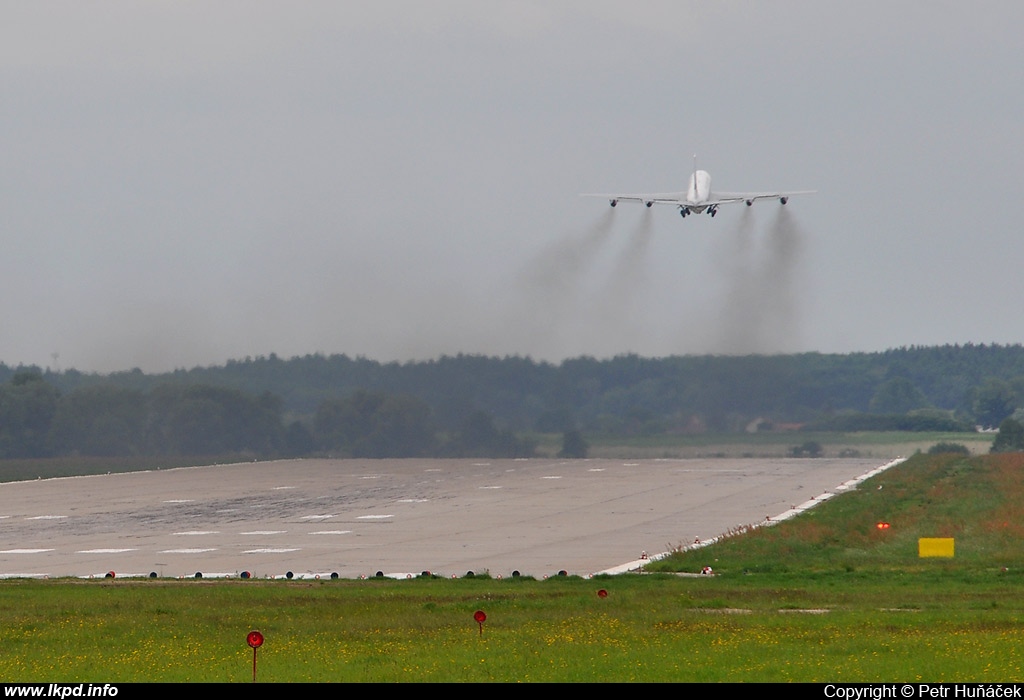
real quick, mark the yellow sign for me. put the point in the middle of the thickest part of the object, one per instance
(935, 547)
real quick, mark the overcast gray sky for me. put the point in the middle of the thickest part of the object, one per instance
(183, 183)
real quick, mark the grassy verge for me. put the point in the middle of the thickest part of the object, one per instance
(648, 628)
(881, 445)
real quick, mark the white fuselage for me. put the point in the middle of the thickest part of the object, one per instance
(699, 191)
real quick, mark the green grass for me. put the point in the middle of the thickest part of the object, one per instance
(882, 445)
(825, 597)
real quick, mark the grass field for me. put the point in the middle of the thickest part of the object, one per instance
(882, 445)
(825, 597)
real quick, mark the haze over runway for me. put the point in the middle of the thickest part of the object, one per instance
(187, 183)
(357, 517)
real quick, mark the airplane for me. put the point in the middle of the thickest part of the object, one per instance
(698, 197)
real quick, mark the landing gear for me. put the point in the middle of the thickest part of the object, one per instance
(712, 211)
(683, 212)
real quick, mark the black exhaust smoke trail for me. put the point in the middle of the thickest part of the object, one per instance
(551, 283)
(738, 330)
(626, 283)
(780, 281)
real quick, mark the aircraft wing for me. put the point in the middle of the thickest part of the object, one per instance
(676, 198)
(751, 197)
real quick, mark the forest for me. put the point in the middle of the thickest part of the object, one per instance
(473, 405)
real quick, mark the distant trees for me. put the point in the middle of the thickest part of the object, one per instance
(27, 406)
(994, 400)
(573, 445)
(898, 395)
(373, 424)
(1010, 437)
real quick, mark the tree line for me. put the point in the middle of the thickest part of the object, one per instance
(37, 420)
(472, 405)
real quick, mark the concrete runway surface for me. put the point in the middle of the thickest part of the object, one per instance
(357, 517)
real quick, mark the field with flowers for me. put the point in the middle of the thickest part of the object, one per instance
(827, 597)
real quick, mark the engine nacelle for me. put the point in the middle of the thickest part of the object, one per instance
(750, 202)
(783, 200)
(649, 204)
(614, 202)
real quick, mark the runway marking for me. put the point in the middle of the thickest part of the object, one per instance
(331, 532)
(490, 487)
(188, 551)
(181, 500)
(47, 517)
(269, 551)
(374, 517)
(595, 469)
(228, 510)
(315, 517)
(551, 477)
(24, 551)
(432, 469)
(264, 532)
(481, 464)
(104, 551)
(412, 500)
(2, 517)
(282, 488)
(190, 533)
(630, 464)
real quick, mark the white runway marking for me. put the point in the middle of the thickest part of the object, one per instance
(103, 551)
(331, 532)
(595, 470)
(270, 551)
(551, 477)
(24, 551)
(47, 517)
(190, 533)
(490, 487)
(188, 551)
(282, 488)
(412, 500)
(264, 532)
(374, 517)
(315, 517)
(181, 500)
(432, 469)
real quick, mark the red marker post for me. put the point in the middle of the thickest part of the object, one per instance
(255, 640)
(480, 616)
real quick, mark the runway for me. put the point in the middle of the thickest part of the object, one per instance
(400, 517)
